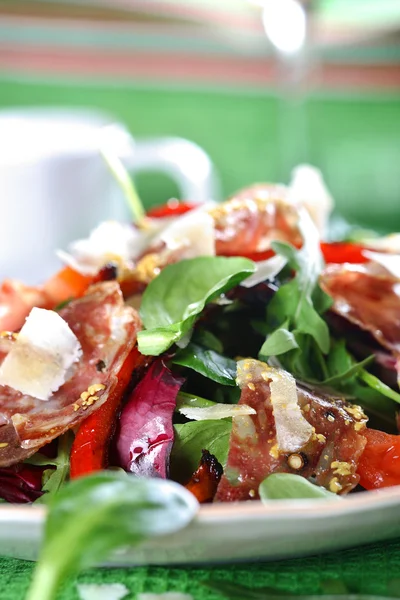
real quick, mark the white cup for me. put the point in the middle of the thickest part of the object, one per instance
(55, 186)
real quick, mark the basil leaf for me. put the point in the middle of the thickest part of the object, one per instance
(191, 438)
(280, 341)
(287, 486)
(94, 515)
(208, 363)
(175, 298)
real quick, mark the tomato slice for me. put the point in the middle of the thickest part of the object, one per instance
(90, 448)
(379, 465)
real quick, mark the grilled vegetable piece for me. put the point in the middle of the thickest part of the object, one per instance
(204, 481)
(329, 458)
(379, 465)
(91, 446)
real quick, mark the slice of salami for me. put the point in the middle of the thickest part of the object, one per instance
(329, 458)
(106, 330)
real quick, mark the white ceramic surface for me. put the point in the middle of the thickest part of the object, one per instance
(55, 186)
(247, 531)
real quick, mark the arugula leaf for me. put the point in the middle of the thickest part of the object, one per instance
(191, 438)
(53, 479)
(378, 385)
(92, 516)
(175, 298)
(294, 300)
(288, 486)
(208, 363)
(280, 341)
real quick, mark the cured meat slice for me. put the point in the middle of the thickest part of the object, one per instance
(367, 296)
(106, 330)
(329, 458)
(248, 222)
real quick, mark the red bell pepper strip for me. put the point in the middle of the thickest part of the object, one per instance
(379, 465)
(90, 448)
(173, 208)
(343, 252)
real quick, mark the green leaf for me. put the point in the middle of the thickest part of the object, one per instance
(175, 298)
(53, 479)
(294, 300)
(287, 486)
(191, 438)
(92, 516)
(208, 339)
(378, 385)
(184, 399)
(280, 341)
(208, 363)
(339, 379)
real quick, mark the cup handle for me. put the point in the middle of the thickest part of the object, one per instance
(183, 161)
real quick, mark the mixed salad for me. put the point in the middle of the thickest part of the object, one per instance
(229, 347)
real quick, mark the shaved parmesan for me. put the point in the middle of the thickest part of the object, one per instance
(391, 262)
(103, 591)
(42, 355)
(193, 233)
(110, 242)
(265, 269)
(293, 431)
(218, 411)
(387, 243)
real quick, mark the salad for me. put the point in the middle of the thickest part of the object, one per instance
(218, 346)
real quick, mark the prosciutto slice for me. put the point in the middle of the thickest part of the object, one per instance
(369, 297)
(329, 458)
(248, 222)
(106, 330)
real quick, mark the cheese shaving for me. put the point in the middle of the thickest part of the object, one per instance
(293, 431)
(219, 411)
(41, 358)
(265, 269)
(110, 242)
(391, 262)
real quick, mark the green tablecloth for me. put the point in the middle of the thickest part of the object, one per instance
(368, 570)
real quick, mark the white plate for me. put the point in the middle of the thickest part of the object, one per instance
(231, 532)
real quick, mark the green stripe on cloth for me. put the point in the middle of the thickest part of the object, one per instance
(367, 570)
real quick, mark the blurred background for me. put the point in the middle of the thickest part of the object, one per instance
(260, 85)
